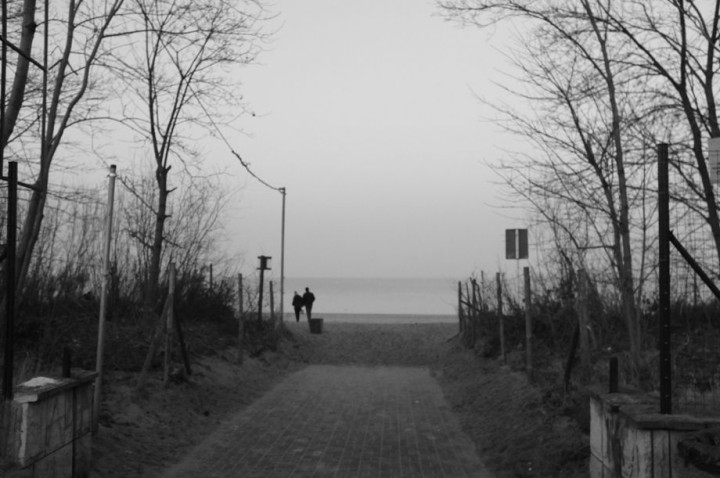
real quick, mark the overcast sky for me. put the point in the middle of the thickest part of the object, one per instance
(365, 112)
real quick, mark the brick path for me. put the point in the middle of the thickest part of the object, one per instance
(341, 421)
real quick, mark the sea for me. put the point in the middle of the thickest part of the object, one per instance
(378, 300)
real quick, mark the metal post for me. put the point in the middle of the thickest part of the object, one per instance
(10, 282)
(3, 82)
(103, 299)
(474, 316)
(500, 317)
(528, 323)
(260, 296)
(282, 260)
(272, 302)
(614, 380)
(263, 267)
(211, 278)
(241, 319)
(67, 362)
(664, 279)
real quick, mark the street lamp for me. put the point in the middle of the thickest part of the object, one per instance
(282, 260)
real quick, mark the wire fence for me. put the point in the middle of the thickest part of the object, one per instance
(491, 321)
(695, 319)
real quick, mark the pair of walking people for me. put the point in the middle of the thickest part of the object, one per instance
(306, 301)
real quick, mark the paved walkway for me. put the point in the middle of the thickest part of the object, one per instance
(340, 421)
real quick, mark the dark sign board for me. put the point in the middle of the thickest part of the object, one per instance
(516, 243)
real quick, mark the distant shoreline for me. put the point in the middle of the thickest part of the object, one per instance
(377, 318)
(421, 296)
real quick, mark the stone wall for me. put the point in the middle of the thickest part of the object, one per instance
(50, 428)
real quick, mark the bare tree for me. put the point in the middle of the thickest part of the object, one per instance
(188, 240)
(675, 49)
(585, 127)
(75, 36)
(16, 97)
(177, 68)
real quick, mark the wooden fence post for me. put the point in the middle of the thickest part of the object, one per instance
(498, 278)
(475, 316)
(468, 315)
(169, 324)
(583, 315)
(154, 344)
(183, 349)
(272, 304)
(241, 320)
(482, 289)
(461, 326)
(528, 323)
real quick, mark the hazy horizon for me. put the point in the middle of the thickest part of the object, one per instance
(379, 141)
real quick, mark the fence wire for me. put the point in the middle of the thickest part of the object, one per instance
(694, 314)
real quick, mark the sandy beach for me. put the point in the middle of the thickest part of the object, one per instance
(396, 341)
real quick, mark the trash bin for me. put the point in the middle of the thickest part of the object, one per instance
(316, 326)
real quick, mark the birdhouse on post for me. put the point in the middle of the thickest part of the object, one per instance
(264, 263)
(264, 260)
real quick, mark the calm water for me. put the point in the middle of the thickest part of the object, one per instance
(368, 297)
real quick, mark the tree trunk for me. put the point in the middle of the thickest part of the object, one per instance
(583, 319)
(17, 94)
(623, 249)
(161, 174)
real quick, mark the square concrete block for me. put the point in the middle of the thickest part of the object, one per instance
(29, 432)
(644, 453)
(44, 421)
(20, 473)
(637, 453)
(596, 467)
(56, 465)
(83, 455)
(597, 430)
(58, 421)
(83, 410)
(661, 458)
(610, 446)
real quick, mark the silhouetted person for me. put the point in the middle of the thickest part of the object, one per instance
(308, 298)
(297, 304)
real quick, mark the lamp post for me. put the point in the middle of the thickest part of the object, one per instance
(263, 267)
(282, 260)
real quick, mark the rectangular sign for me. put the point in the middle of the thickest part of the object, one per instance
(522, 243)
(510, 249)
(516, 243)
